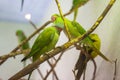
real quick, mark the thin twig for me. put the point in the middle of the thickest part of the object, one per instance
(74, 73)
(74, 8)
(95, 68)
(84, 72)
(34, 26)
(54, 72)
(22, 3)
(115, 71)
(53, 66)
(61, 14)
(40, 73)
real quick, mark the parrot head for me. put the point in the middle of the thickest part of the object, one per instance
(19, 33)
(57, 21)
(54, 16)
(96, 40)
(94, 37)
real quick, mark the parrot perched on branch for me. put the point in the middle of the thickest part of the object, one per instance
(91, 42)
(21, 37)
(45, 42)
(75, 30)
(80, 66)
(75, 5)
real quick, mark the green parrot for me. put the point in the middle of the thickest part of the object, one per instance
(75, 30)
(82, 60)
(21, 37)
(75, 5)
(45, 42)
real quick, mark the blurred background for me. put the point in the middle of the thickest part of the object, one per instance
(12, 19)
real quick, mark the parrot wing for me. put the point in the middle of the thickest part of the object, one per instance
(80, 29)
(42, 41)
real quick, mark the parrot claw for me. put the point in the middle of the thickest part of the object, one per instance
(59, 47)
(47, 55)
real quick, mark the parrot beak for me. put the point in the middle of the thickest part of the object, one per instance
(53, 18)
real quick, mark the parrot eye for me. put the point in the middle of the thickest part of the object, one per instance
(53, 18)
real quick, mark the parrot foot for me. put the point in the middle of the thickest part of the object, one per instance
(59, 47)
(78, 47)
(47, 55)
